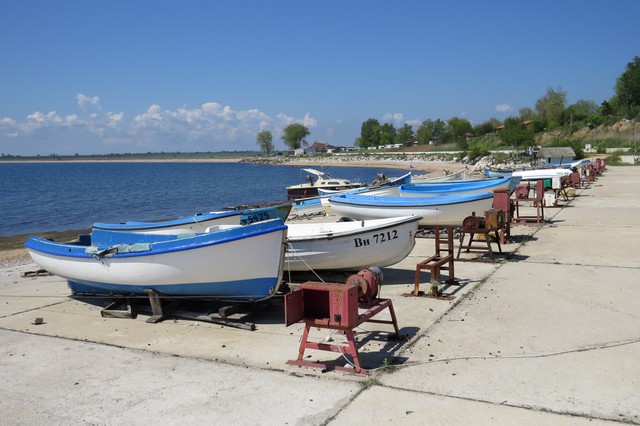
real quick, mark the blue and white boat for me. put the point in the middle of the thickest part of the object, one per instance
(460, 187)
(201, 221)
(381, 182)
(447, 210)
(234, 263)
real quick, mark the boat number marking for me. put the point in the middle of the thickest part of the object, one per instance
(255, 217)
(378, 238)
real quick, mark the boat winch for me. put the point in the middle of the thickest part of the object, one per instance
(368, 281)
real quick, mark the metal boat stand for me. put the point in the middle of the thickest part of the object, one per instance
(443, 259)
(163, 307)
(337, 307)
(489, 236)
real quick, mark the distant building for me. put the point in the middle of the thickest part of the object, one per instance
(555, 155)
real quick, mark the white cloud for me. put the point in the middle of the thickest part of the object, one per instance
(6, 121)
(503, 108)
(86, 101)
(208, 127)
(395, 118)
(308, 121)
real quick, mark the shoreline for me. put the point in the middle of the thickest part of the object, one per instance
(12, 247)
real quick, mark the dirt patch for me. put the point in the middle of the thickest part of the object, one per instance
(12, 248)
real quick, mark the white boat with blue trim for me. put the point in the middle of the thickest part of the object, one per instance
(447, 210)
(200, 221)
(349, 245)
(461, 187)
(318, 179)
(230, 262)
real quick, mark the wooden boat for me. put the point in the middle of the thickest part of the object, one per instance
(201, 221)
(350, 245)
(235, 263)
(435, 211)
(317, 179)
(460, 187)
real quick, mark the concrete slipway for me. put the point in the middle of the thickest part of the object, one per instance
(549, 336)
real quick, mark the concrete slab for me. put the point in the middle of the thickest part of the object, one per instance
(380, 405)
(62, 381)
(269, 346)
(546, 335)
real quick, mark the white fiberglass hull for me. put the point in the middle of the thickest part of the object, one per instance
(349, 246)
(449, 214)
(244, 269)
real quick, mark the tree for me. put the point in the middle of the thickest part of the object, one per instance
(369, 133)
(550, 107)
(515, 133)
(424, 134)
(404, 134)
(579, 111)
(294, 135)
(387, 134)
(606, 109)
(431, 130)
(628, 89)
(265, 141)
(489, 126)
(527, 113)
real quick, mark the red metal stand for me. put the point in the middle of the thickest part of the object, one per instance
(330, 306)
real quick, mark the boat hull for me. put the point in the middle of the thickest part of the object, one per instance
(541, 174)
(463, 187)
(349, 246)
(240, 264)
(200, 222)
(435, 211)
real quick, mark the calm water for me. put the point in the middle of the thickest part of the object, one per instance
(38, 197)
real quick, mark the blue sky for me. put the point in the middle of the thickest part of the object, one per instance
(94, 77)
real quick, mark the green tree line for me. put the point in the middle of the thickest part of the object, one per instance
(549, 112)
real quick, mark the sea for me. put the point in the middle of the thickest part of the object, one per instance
(42, 196)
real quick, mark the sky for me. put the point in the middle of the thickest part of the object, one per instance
(122, 76)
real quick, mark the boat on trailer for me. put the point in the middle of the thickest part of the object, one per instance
(229, 262)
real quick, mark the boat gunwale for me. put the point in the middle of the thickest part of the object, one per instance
(198, 241)
(401, 220)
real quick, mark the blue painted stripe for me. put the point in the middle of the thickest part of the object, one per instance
(389, 201)
(250, 289)
(133, 225)
(159, 243)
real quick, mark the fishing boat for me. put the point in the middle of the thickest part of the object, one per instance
(382, 181)
(541, 174)
(201, 221)
(445, 177)
(497, 173)
(230, 262)
(349, 245)
(447, 210)
(317, 179)
(460, 187)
